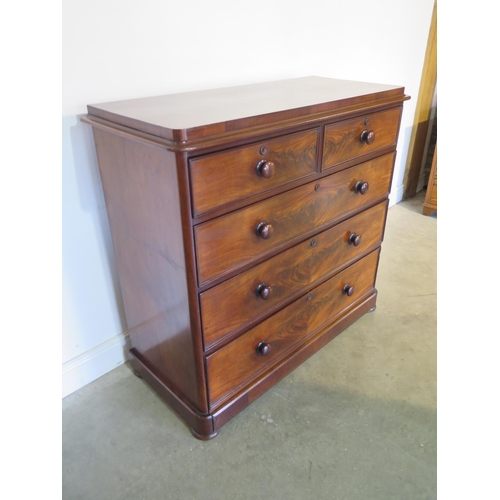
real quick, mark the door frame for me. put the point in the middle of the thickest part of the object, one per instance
(422, 119)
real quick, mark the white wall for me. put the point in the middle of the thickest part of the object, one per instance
(117, 49)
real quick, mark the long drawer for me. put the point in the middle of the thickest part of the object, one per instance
(244, 298)
(359, 136)
(232, 240)
(223, 177)
(259, 348)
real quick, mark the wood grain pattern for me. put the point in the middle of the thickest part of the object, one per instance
(245, 396)
(286, 328)
(220, 178)
(229, 241)
(227, 215)
(142, 201)
(342, 139)
(234, 303)
(198, 422)
(195, 115)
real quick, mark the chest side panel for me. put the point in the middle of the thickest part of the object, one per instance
(142, 200)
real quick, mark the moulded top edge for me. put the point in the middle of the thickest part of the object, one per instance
(194, 115)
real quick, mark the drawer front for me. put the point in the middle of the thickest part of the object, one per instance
(242, 360)
(242, 299)
(350, 138)
(232, 240)
(221, 178)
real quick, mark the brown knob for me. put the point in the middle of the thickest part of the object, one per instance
(264, 291)
(263, 348)
(348, 290)
(354, 239)
(367, 136)
(361, 187)
(265, 169)
(264, 230)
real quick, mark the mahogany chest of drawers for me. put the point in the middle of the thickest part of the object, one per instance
(247, 224)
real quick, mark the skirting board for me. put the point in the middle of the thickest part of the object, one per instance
(396, 195)
(95, 363)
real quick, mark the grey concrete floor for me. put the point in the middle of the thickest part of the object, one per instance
(356, 421)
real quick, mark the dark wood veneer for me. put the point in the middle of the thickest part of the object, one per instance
(144, 210)
(226, 411)
(290, 214)
(247, 225)
(356, 137)
(235, 303)
(220, 178)
(286, 328)
(195, 115)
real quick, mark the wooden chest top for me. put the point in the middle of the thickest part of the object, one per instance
(202, 114)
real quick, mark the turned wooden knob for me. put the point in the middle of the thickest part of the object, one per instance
(264, 291)
(348, 290)
(263, 348)
(265, 169)
(354, 239)
(264, 230)
(361, 187)
(367, 136)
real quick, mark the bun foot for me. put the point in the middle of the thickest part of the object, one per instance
(137, 374)
(372, 309)
(203, 437)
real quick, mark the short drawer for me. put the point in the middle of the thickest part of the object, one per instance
(353, 138)
(232, 240)
(242, 360)
(244, 298)
(220, 178)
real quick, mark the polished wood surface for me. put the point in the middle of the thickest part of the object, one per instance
(247, 395)
(220, 178)
(142, 201)
(235, 303)
(290, 214)
(246, 230)
(285, 329)
(201, 423)
(192, 115)
(352, 138)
